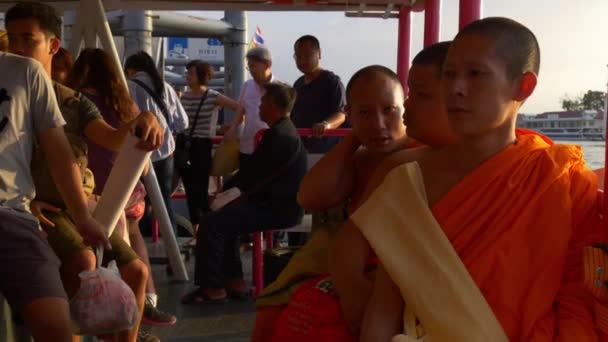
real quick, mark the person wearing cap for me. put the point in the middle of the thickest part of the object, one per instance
(259, 63)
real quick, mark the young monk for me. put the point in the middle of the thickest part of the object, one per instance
(516, 209)
(347, 167)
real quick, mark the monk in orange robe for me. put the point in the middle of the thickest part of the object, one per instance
(343, 172)
(517, 209)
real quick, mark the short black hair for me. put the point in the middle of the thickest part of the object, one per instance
(515, 43)
(369, 71)
(281, 95)
(141, 61)
(47, 17)
(204, 71)
(434, 54)
(308, 39)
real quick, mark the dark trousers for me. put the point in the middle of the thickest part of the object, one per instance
(217, 250)
(196, 178)
(244, 159)
(164, 174)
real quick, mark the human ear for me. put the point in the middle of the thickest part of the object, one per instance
(527, 84)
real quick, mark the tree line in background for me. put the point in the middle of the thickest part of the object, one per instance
(591, 100)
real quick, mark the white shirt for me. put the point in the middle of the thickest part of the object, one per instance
(178, 119)
(28, 107)
(250, 99)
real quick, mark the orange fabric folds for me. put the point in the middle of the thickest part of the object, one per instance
(519, 223)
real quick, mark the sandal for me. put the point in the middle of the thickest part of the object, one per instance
(190, 244)
(199, 296)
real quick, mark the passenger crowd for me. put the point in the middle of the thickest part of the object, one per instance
(432, 205)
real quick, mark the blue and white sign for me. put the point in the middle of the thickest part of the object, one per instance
(207, 49)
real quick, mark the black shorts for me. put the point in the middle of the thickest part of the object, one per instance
(29, 269)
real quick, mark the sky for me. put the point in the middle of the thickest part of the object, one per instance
(572, 37)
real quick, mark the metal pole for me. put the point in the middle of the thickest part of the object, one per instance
(151, 184)
(404, 45)
(137, 28)
(606, 150)
(235, 45)
(470, 10)
(432, 21)
(75, 28)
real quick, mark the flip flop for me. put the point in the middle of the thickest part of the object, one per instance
(190, 244)
(198, 296)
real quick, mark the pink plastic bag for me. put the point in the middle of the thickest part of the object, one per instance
(104, 304)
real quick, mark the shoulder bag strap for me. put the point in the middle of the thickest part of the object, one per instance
(159, 102)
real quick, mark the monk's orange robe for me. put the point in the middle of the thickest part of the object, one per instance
(519, 223)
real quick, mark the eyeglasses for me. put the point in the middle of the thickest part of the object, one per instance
(304, 57)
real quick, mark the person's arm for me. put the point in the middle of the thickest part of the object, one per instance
(67, 177)
(178, 117)
(225, 101)
(101, 133)
(334, 121)
(347, 259)
(383, 317)
(575, 319)
(38, 207)
(330, 181)
(337, 118)
(240, 117)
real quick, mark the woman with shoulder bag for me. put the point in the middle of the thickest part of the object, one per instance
(194, 145)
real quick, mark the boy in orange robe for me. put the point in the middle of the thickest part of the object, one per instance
(516, 209)
(343, 172)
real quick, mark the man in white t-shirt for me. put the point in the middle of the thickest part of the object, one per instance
(259, 62)
(29, 270)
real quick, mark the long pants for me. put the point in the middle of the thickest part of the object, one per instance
(196, 178)
(164, 174)
(217, 250)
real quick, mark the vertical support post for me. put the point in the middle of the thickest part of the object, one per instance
(258, 263)
(105, 35)
(432, 21)
(74, 27)
(606, 151)
(404, 43)
(89, 31)
(470, 10)
(234, 56)
(137, 28)
(150, 182)
(69, 20)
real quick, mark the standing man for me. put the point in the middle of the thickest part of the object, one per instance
(319, 105)
(259, 62)
(321, 99)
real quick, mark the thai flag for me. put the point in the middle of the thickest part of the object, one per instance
(257, 39)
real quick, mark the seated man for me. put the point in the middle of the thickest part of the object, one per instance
(495, 195)
(29, 271)
(269, 185)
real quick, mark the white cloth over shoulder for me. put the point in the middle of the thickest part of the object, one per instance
(434, 283)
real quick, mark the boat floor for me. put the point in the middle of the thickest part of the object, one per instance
(229, 322)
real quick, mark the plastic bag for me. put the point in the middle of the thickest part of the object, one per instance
(104, 303)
